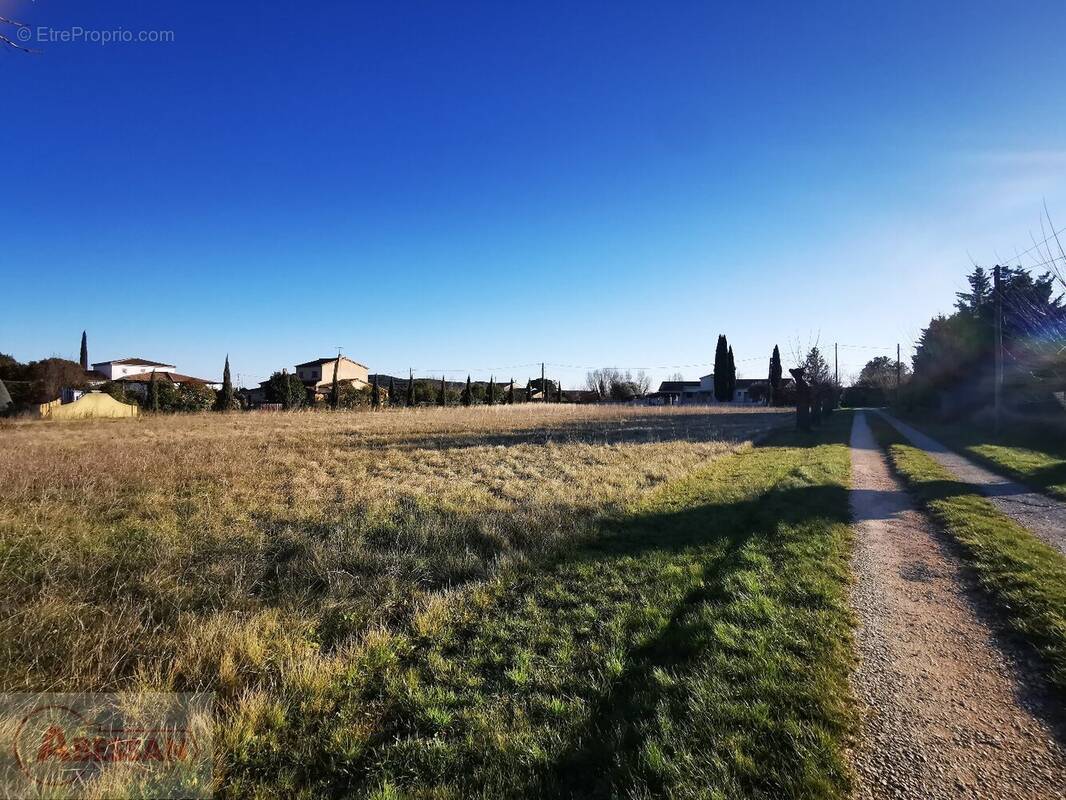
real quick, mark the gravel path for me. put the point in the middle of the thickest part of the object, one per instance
(1042, 515)
(949, 710)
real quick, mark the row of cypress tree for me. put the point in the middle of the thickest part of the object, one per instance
(725, 372)
(466, 396)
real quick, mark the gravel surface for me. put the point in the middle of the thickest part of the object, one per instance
(1044, 516)
(949, 709)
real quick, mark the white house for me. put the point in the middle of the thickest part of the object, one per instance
(701, 392)
(122, 367)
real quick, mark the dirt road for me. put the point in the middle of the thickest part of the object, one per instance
(950, 710)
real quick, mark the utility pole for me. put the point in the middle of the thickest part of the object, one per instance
(997, 296)
(836, 364)
(543, 386)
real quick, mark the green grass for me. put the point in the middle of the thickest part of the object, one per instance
(698, 647)
(1025, 576)
(1034, 457)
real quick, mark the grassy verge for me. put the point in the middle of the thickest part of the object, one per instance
(699, 647)
(1034, 457)
(1025, 576)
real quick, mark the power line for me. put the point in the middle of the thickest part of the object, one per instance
(1039, 244)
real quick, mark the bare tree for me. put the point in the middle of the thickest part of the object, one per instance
(643, 382)
(600, 381)
(611, 383)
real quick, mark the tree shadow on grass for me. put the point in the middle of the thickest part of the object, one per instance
(609, 753)
(612, 576)
(1051, 480)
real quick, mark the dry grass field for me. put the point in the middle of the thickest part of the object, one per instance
(266, 556)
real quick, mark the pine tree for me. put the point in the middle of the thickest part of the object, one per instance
(817, 373)
(510, 393)
(468, 396)
(775, 374)
(978, 300)
(225, 397)
(84, 351)
(375, 394)
(392, 389)
(721, 370)
(335, 392)
(442, 398)
(410, 388)
(732, 375)
(492, 390)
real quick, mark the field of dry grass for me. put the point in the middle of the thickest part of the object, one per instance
(256, 555)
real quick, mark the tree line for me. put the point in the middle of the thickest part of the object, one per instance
(953, 367)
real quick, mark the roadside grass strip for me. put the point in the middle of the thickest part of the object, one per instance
(1032, 457)
(1025, 576)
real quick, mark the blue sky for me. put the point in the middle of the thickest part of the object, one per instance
(485, 186)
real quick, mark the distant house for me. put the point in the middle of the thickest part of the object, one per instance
(317, 375)
(701, 392)
(317, 378)
(140, 381)
(681, 393)
(136, 373)
(121, 367)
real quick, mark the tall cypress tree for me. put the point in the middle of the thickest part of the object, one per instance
(392, 389)
(410, 388)
(335, 393)
(510, 393)
(775, 375)
(492, 389)
(529, 390)
(468, 395)
(375, 394)
(295, 393)
(153, 393)
(558, 391)
(732, 375)
(225, 397)
(721, 369)
(442, 398)
(84, 351)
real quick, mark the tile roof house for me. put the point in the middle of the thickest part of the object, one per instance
(120, 367)
(144, 378)
(318, 374)
(317, 377)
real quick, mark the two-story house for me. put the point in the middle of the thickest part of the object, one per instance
(318, 374)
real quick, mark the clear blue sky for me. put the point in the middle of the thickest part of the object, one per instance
(465, 185)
